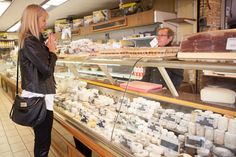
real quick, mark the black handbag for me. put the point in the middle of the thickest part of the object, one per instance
(27, 111)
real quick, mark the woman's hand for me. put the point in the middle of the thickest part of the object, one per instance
(51, 44)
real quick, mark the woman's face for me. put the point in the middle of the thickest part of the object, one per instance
(42, 22)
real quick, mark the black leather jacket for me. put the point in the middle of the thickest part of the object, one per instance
(37, 67)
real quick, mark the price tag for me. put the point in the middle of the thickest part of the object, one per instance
(154, 42)
(231, 44)
(206, 121)
(194, 141)
(170, 144)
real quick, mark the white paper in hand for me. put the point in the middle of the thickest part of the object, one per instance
(154, 43)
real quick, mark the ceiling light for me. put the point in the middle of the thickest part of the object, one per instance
(46, 6)
(15, 27)
(3, 6)
(56, 2)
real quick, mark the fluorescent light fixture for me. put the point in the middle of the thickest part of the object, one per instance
(56, 2)
(46, 6)
(3, 6)
(15, 27)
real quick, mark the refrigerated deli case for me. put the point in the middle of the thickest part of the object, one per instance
(113, 121)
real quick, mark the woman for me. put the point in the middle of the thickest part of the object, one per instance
(37, 62)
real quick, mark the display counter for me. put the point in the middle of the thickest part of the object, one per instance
(95, 122)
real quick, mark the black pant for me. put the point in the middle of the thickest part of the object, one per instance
(42, 134)
(82, 148)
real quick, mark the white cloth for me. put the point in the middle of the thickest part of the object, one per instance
(49, 98)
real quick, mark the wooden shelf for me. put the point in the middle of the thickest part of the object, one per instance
(207, 55)
(181, 20)
(135, 20)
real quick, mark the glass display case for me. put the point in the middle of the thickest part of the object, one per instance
(131, 123)
(114, 121)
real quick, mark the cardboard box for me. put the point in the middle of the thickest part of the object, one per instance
(61, 24)
(78, 23)
(101, 15)
(88, 20)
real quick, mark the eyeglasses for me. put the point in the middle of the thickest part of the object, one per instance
(161, 35)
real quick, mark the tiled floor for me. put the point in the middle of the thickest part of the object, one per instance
(15, 140)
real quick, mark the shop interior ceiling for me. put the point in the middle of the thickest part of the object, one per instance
(71, 7)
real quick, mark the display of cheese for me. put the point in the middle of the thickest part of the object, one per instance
(213, 41)
(139, 129)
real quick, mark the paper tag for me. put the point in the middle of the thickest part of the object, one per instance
(194, 141)
(170, 143)
(154, 42)
(231, 44)
(205, 121)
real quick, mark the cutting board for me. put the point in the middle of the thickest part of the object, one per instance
(142, 86)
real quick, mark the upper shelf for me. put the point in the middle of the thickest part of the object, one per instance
(135, 20)
(181, 20)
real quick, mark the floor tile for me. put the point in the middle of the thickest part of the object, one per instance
(31, 154)
(7, 154)
(14, 139)
(9, 127)
(2, 133)
(27, 138)
(30, 146)
(16, 147)
(24, 153)
(4, 148)
(24, 132)
(3, 140)
(12, 133)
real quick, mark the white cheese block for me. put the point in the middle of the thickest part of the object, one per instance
(209, 133)
(232, 126)
(192, 128)
(216, 118)
(218, 95)
(142, 153)
(200, 130)
(219, 136)
(230, 140)
(136, 147)
(223, 123)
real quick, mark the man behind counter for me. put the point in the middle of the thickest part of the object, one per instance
(165, 37)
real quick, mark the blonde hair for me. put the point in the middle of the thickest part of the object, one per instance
(29, 22)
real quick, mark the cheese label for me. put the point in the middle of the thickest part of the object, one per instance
(205, 121)
(170, 143)
(231, 44)
(194, 141)
(154, 42)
